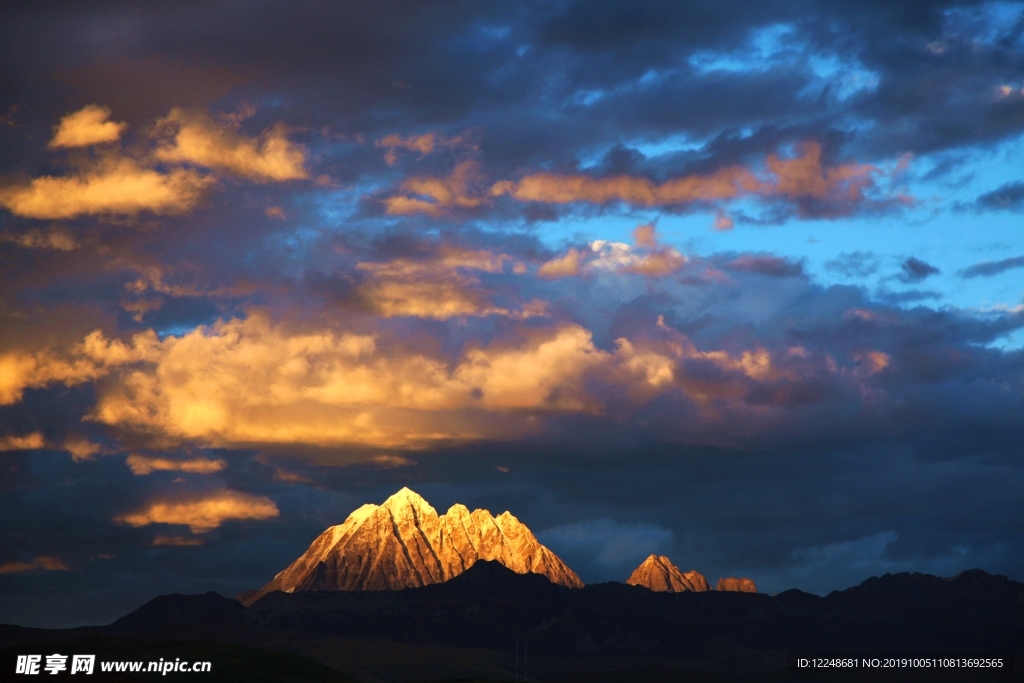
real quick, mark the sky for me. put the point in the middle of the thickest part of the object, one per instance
(737, 283)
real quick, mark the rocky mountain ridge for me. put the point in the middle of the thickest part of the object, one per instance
(659, 574)
(404, 543)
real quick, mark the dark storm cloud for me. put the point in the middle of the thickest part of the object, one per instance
(1009, 197)
(529, 75)
(915, 270)
(990, 268)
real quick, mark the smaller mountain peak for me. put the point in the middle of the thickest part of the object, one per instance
(737, 585)
(658, 573)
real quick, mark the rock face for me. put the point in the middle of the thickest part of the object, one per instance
(659, 574)
(736, 585)
(404, 543)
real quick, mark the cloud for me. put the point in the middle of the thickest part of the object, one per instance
(249, 381)
(772, 266)
(562, 266)
(81, 448)
(36, 238)
(92, 358)
(440, 286)
(800, 178)
(87, 126)
(424, 144)
(143, 465)
(204, 513)
(853, 264)
(112, 186)
(643, 236)
(196, 139)
(46, 563)
(990, 268)
(27, 442)
(616, 257)
(435, 196)
(161, 541)
(245, 381)
(915, 270)
(1008, 197)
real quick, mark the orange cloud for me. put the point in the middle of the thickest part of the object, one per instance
(161, 541)
(437, 195)
(798, 178)
(197, 139)
(439, 287)
(53, 238)
(46, 563)
(723, 222)
(245, 381)
(80, 448)
(28, 442)
(203, 514)
(643, 236)
(424, 144)
(873, 361)
(143, 465)
(92, 358)
(618, 257)
(563, 266)
(112, 186)
(661, 262)
(87, 126)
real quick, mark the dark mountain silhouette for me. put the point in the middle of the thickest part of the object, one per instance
(467, 627)
(176, 609)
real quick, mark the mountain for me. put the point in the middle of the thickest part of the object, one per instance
(404, 543)
(736, 585)
(175, 609)
(468, 627)
(659, 574)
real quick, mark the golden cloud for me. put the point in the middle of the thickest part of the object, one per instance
(797, 178)
(46, 563)
(438, 195)
(563, 266)
(199, 140)
(161, 541)
(92, 358)
(648, 259)
(54, 238)
(644, 236)
(27, 442)
(439, 287)
(87, 126)
(203, 514)
(424, 144)
(81, 448)
(143, 465)
(252, 381)
(245, 381)
(113, 186)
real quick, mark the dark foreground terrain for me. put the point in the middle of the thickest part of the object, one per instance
(468, 628)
